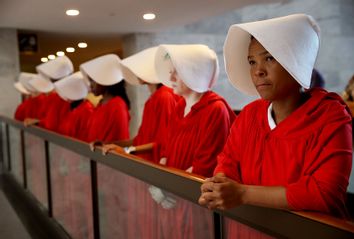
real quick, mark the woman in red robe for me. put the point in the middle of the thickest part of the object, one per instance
(197, 132)
(292, 149)
(140, 69)
(26, 94)
(109, 122)
(54, 109)
(141, 209)
(75, 89)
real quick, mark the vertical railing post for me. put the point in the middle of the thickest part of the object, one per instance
(1, 146)
(218, 226)
(95, 205)
(24, 167)
(8, 147)
(49, 181)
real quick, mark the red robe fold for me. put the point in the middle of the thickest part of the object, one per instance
(31, 108)
(110, 121)
(76, 123)
(20, 112)
(142, 209)
(156, 117)
(196, 139)
(309, 153)
(56, 109)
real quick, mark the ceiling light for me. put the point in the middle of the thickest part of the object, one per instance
(60, 53)
(149, 16)
(44, 59)
(51, 57)
(72, 12)
(82, 45)
(70, 49)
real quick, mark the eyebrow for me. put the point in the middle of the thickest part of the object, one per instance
(260, 54)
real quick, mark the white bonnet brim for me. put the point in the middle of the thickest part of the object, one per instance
(41, 84)
(21, 88)
(72, 87)
(57, 68)
(292, 40)
(140, 66)
(197, 65)
(104, 70)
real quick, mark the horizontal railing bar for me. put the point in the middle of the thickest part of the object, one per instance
(279, 223)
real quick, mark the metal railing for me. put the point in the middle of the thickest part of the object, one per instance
(266, 221)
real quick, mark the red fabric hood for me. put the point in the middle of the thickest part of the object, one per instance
(317, 109)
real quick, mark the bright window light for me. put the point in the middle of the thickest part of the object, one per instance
(72, 12)
(70, 49)
(51, 57)
(149, 16)
(60, 53)
(82, 45)
(44, 59)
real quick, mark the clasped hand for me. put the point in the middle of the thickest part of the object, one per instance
(220, 192)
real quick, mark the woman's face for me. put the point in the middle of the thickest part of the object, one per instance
(178, 86)
(271, 80)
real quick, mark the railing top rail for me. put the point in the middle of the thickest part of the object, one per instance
(279, 223)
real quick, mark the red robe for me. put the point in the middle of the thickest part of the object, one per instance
(31, 108)
(76, 123)
(309, 153)
(56, 109)
(20, 113)
(194, 140)
(156, 116)
(142, 208)
(110, 122)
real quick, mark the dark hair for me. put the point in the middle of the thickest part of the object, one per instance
(75, 104)
(119, 90)
(158, 85)
(317, 79)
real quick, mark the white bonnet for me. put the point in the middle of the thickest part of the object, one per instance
(197, 65)
(292, 40)
(21, 88)
(41, 84)
(24, 79)
(104, 70)
(140, 66)
(72, 87)
(57, 68)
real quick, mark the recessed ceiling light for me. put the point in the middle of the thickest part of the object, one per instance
(149, 16)
(70, 49)
(51, 57)
(82, 45)
(72, 12)
(60, 53)
(44, 59)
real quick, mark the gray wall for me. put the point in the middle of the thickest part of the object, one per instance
(9, 70)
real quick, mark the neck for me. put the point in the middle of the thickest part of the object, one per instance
(191, 99)
(283, 108)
